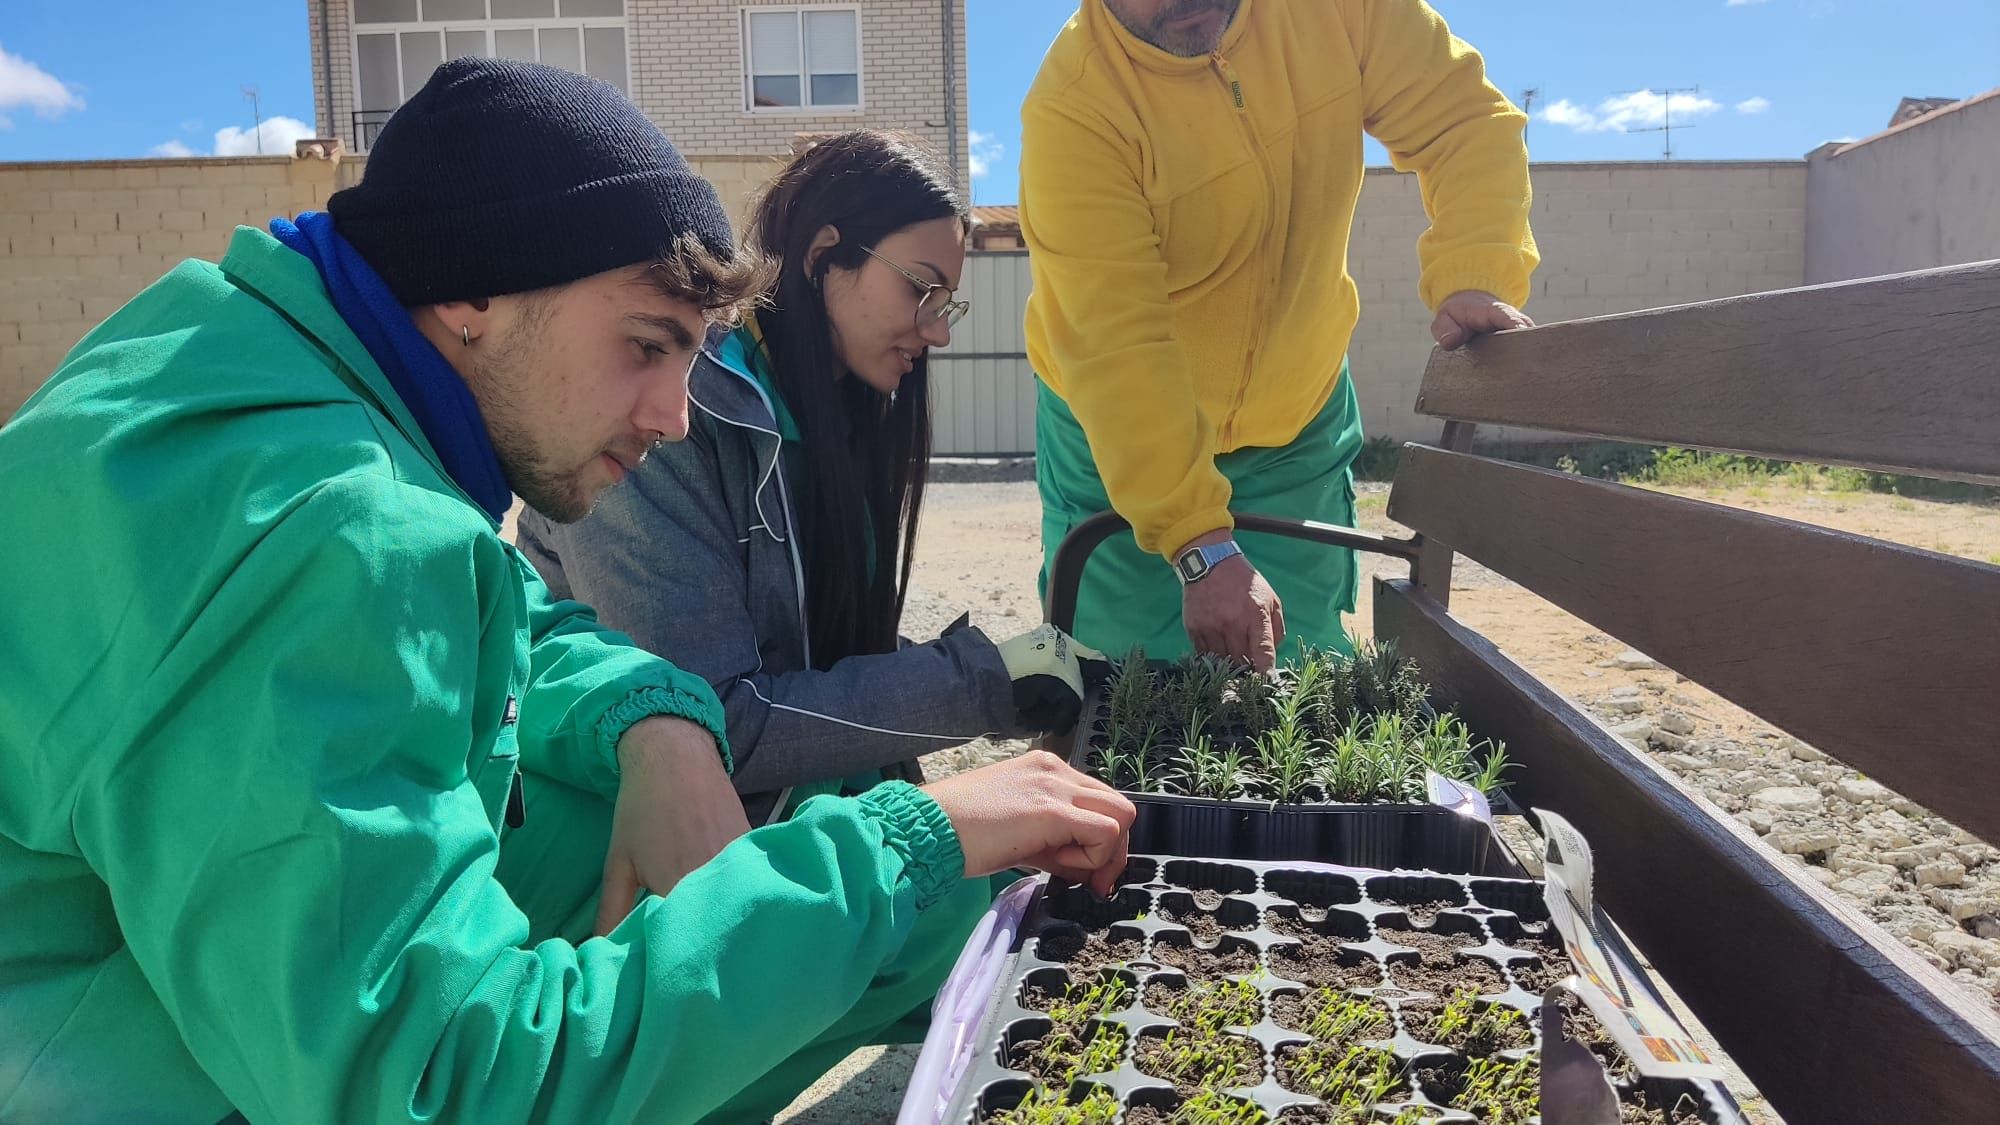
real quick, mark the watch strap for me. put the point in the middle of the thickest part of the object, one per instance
(1194, 564)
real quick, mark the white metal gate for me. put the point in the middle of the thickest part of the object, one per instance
(982, 392)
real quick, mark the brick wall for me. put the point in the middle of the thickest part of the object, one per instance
(82, 238)
(688, 63)
(1614, 238)
(687, 75)
(335, 43)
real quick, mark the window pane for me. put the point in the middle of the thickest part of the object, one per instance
(422, 52)
(515, 43)
(586, 9)
(376, 55)
(774, 43)
(774, 89)
(836, 89)
(523, 9)
(604, 54)
(561, 47)
(464, 44)
(831, 46)
(385, 11)
(438, 10)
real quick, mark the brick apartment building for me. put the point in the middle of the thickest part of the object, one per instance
(735, 83)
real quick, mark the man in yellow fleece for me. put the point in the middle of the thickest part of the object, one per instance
(1189, 171)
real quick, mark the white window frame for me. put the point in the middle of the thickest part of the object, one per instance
(750, 106)
(487, 27)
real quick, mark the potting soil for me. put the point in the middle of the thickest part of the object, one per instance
(1330, 929)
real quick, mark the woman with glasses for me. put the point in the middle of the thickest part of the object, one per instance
(770, 552)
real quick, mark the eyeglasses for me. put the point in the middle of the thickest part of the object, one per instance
(934, 302)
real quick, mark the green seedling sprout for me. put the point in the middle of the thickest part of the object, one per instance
(1083, 1003)
(1069, 1052)
(1211, 1107)
(1489, 780)
(1197, 762)
(1046, 1105)
(1332, 1016)
(1500, 1092)
(1352, 1076)
(1130, 696)
(1285, 758)
(1477, 1028)
(1203, 1061)
(1205, 1008)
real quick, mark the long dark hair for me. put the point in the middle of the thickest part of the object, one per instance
(869, 452)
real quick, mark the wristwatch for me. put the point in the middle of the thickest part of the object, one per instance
(1194, 563)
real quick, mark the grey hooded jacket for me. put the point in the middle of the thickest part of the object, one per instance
(692, 557)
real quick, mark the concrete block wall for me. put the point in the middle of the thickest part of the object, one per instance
(1923, 194)
(1614, 238)
(82, 237)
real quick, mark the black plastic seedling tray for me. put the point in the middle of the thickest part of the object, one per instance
(1502, 923)
(1426, 837)
(1382, 836)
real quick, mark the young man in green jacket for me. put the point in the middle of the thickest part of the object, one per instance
(273, 679)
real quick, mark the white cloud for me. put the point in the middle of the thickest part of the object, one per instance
(191, 125)
(277, 136)
(174, 149)
(1640, 109)
(983, 152)
(1742, 3)
(1753, 105)
(1566, 112)
(23, 85)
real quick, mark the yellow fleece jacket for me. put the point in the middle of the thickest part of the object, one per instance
(1187, 222)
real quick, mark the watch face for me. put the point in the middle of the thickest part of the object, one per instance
(1193, 565)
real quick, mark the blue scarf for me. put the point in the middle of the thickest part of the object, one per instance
(440, 401)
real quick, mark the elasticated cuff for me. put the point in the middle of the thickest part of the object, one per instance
(1500, 270)
(647, 702)
(1190, 528)
(915, 827)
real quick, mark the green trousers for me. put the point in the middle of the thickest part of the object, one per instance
(1131, 598)
(553, 866)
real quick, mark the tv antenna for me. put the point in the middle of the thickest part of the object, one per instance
(1529, 97)
(256, 114)
(1666, 125)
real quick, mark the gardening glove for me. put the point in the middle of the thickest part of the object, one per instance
(1048, 670)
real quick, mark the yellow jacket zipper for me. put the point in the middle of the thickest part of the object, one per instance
(1235, 86)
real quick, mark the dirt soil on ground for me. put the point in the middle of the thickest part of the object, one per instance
(980, 550)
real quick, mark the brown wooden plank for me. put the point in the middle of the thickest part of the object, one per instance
(1884, 656)
(1432, 569)
(1897, 373)
(1833, 1019)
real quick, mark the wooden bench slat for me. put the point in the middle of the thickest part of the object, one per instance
(1897, 373)
(1831, 1017)
(1884, 656)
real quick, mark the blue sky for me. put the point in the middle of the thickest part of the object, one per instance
(1777, 77)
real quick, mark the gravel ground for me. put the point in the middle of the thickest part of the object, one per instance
(1924, 880)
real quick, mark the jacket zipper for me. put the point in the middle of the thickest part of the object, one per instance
(1227, 73)
(777, 473)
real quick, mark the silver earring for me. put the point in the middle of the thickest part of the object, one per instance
(465, 333)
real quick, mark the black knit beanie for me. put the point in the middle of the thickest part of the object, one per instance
(500, 177)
